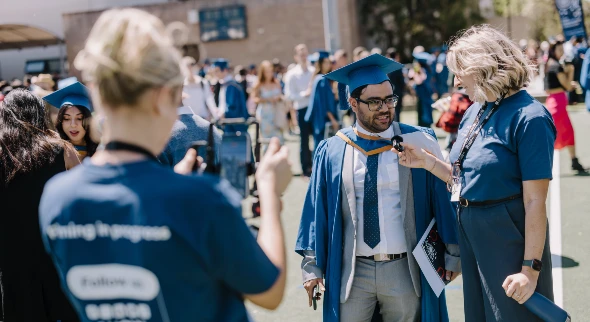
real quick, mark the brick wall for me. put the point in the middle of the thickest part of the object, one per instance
(274, 28)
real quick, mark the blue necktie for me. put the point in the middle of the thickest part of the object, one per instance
(372, 233)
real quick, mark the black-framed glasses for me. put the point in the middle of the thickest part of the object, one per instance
(375, 104)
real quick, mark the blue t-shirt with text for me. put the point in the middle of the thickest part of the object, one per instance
(137, 242)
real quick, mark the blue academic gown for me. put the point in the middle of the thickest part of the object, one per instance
(342, 96)
(235, 101)
(321, 102)
(442, 77)
(321, 222)
(584, 78)
(424, 94)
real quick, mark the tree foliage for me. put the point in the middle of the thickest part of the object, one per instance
(542, 15)
(405, 24)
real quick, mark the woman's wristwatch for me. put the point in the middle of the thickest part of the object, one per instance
(535, 264)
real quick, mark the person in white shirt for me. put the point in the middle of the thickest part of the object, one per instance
(199, 98)
(297, 82)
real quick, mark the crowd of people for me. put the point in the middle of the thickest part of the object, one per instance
(298, 100)
(112, 192)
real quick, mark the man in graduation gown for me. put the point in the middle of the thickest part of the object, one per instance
(232, 100)
(364, 213)
(322, 106)
(423, 75)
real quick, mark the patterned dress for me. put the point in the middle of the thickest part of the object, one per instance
(266, 115)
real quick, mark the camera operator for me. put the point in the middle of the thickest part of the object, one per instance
(136, 241)
(188, 129)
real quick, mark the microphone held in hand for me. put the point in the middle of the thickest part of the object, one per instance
(396, 140)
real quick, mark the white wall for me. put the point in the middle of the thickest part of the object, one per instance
(46, 14)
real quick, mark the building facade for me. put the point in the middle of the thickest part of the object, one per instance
(46, 15)
(274, 28)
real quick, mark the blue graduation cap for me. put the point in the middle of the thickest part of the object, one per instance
(74, 94)
(223, 64)
(321, 54)
(367, 71)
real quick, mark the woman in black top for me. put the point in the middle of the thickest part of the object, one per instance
(559, 81)
(30, 154)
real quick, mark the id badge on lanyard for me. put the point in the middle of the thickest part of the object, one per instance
(456, 182)
(467, 144)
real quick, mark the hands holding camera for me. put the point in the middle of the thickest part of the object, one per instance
(273, 173)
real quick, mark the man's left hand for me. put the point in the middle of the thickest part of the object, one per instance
(451, 276)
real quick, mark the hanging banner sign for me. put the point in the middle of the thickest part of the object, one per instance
(572, 18)
(224, 23)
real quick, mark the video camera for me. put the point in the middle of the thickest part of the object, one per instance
(237, 161)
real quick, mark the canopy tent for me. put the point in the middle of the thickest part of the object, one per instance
(22, 36)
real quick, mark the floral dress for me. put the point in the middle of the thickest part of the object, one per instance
(267, 114)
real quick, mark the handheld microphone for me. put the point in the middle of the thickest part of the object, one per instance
(396, 140)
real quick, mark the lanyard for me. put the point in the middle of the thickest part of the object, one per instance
(474, 131)
(122, 146)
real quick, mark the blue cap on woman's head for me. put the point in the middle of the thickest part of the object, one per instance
(321, 54)
(367, 71)
(223, 64)
(74, 94)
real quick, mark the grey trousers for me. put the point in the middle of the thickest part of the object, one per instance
(388, 284)
(492, 247)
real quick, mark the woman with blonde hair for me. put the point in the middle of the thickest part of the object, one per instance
(268, 95)
(170, 247)
(500, 172)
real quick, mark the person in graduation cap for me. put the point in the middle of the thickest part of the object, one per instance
(442, 71)
(421, 74)
(232, 100)
(322, 107)
(341, 60)
(364, 213)
(74, 117)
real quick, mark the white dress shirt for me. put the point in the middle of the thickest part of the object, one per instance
(200, 98)
(393, 240)
(297, 82)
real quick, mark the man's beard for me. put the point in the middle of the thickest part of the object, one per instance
(369, 122)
